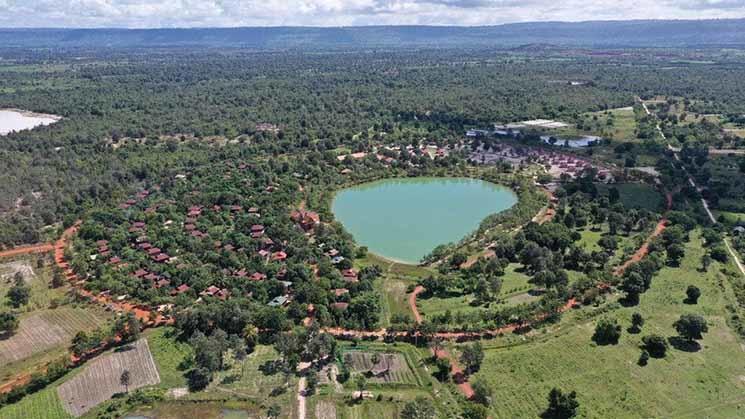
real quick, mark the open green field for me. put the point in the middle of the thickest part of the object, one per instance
(514, 284)
(245, 381)
(708, 383)
(168, 354)
(623, 126)
(636, 195)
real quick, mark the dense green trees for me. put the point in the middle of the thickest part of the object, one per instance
(8, 323)
(560, 405)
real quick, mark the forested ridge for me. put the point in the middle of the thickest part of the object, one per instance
(641, 33)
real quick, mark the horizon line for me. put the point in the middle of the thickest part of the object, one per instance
(429, 25)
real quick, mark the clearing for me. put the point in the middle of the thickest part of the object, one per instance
(609, 383)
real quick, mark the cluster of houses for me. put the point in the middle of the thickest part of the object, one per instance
(555, 163)
(433, 151)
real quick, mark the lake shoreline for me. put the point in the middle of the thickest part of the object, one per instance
(40, 119)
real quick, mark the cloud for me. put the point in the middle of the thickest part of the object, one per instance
(190, 13)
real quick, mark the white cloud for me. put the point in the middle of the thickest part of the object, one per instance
(189, 13)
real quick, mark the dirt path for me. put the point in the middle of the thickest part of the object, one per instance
(459, 376)
(643, 250)
(412, 303)
(27, 250)
(301, 384)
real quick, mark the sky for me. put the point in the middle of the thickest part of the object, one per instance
(228, 13)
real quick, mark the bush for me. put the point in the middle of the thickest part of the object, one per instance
(655, 345)
(607, 331)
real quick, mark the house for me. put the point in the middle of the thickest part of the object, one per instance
(180, 289)
(337, 259)
(306, 219)
(279, 301)
(333, 253)
(264, 253)
(279, 256)
(253, 211)
(738, 230)
(346, 171)
(153, 251)
(340, 306)
(160, 258)
(257, 230)
(258, 276)
(144, 246)
(349, 274)
(162, 283)
(151, 277)
(140, 273)
(115, 260)
(340, 291)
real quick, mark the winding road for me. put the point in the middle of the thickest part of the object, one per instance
(691, 182)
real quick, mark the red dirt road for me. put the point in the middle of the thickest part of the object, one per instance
(27, 250)
(644, 249)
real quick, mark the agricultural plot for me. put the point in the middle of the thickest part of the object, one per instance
(608, 380)
(101, 378)
(42, 405)
(325, 410)
(44, 331)
(391, 368)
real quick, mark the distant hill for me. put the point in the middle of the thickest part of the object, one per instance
(604, 34)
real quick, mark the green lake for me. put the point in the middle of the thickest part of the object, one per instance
(405, 219)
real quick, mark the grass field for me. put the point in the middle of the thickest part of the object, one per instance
(247, 382)
(636, 195)
(708, 383)
(168, 354)
(624, 123)
(514, 284)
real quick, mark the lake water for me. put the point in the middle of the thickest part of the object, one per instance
(13, 120)
(405, 219)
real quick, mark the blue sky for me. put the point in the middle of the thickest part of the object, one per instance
(195, 13)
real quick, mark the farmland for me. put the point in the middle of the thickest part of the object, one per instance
(46, 333)
(607, 378)
(391, 368)
(42, 405)
(100, 379)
